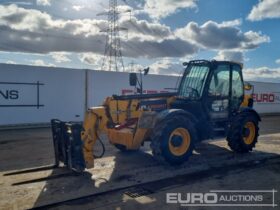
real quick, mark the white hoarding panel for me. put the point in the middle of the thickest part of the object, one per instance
(103, 84)
(266, 97)
(37, 94)
(13, 92)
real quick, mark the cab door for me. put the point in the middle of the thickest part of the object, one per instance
(237, 90)
(219, 93)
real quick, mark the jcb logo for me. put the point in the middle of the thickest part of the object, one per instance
(9, 94)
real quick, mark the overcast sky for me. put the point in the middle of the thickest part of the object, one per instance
(161, 34)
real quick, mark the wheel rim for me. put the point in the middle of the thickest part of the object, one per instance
(251, 132)
(182, 147)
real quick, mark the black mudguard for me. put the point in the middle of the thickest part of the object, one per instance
(250, 110)
(170, 113)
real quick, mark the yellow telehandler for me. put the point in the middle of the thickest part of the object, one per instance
(210, 100)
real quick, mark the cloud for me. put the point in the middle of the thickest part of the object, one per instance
(144, 29)
(31, 20)
(60, 57)
(91, 59)
(157, 49)
(236, 56)
(277, 61)
(265, 9)
(166, 67)
(224, 36)
(232, 23)
(11, 62)
(32, 31)
(24, 3)
(44, 2)
(158, 9)
(134, 67)
(40, 62)
(264, 73)
(78, 7)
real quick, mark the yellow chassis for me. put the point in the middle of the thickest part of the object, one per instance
(106, 119)
(117, 112)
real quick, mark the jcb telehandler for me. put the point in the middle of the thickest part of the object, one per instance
(210, 100)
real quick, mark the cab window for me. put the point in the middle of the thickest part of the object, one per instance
(237, 87)
(219, 85)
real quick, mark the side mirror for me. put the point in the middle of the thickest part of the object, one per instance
(146, 70)
(132, 79)
(248, 86)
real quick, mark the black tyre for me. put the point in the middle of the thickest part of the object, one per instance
(173, 140)
(243, 133)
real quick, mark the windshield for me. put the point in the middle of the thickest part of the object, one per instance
(193, 82)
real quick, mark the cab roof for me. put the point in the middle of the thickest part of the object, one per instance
(213, 62)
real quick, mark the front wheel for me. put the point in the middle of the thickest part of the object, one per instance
(243, 133)
(173, 140)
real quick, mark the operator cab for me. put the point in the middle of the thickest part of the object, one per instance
(212, 91)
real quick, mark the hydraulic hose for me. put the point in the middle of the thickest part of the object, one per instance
(96, 127)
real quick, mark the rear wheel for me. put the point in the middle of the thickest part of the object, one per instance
(173, 140)
(243, 133)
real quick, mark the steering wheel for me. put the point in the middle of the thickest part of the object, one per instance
(194, 92)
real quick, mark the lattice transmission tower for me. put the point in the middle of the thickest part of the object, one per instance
(112, 60)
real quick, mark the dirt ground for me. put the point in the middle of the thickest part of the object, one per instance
(212, 167)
